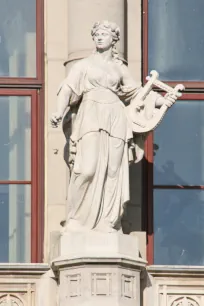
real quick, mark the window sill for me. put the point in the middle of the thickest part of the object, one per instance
(165, 270)
(23, 268)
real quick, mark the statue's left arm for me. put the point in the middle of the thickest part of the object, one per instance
(129, 87)
(147, 108)
(133, 89)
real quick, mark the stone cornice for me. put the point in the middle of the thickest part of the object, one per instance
(23, 269)
(175, 271)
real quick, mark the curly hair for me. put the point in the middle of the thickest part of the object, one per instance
(113, 29)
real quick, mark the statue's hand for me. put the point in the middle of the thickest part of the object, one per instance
(55, 120)
(170, 99)
(136, 104)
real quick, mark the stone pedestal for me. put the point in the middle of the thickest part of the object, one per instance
(97, 269)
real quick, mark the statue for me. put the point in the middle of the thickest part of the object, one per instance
(110, 118)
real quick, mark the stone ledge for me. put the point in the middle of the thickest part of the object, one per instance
(176, 271)
(61, 262)
(23, 268)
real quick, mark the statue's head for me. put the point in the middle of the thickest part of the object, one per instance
(105, 34)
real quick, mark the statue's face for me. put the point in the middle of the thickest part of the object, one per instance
(103, 39)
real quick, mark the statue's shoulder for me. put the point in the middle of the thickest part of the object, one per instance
(122, 67)
(121, 61)
(81, 64)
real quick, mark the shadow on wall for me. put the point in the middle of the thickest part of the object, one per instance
(132, 219)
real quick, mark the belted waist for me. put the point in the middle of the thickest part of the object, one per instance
(101, 95)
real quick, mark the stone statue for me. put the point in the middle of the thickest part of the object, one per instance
(110, 118)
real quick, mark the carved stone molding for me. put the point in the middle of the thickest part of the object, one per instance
(74, 285)
(184, 301)
(11, 300)
(128, 289)
(176, 286)
(101, 284)
(17, 293)
(18, 283)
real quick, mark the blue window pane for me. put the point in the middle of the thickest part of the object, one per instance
(179, 227)
(15, 223)
(15, 138)
(176, 40)
(18, 38)
(179, 143)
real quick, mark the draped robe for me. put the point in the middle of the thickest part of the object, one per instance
(99, 96)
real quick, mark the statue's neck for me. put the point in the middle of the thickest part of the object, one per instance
(105, 55)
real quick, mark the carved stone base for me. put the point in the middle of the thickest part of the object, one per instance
(93, 243)
(98, 269)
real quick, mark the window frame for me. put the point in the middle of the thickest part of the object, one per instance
(188, 84)
(148, 183)
(36, 82)
(34, 87)
(37, 170)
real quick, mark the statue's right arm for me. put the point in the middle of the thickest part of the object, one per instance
(70, 90)
(63, 98)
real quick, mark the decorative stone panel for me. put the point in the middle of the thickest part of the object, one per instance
(179, 295)
(18, 283)
(101, 284)
(74, 285)
(184, 301)
(16, 294)
(11, 300)
(128, 289)
(175, 286)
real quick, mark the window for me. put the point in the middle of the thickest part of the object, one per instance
(174, 165)
(21, 41)
(19, 174)
(175, 38)
(21, 131)
(18, 38)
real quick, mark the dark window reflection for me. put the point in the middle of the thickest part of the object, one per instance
(179, 227)
(15, 223)
(4, 226)
(18, 38)
(179, 143)
(176, 39)
(15, 138)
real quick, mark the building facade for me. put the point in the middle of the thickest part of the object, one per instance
(39, 42)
